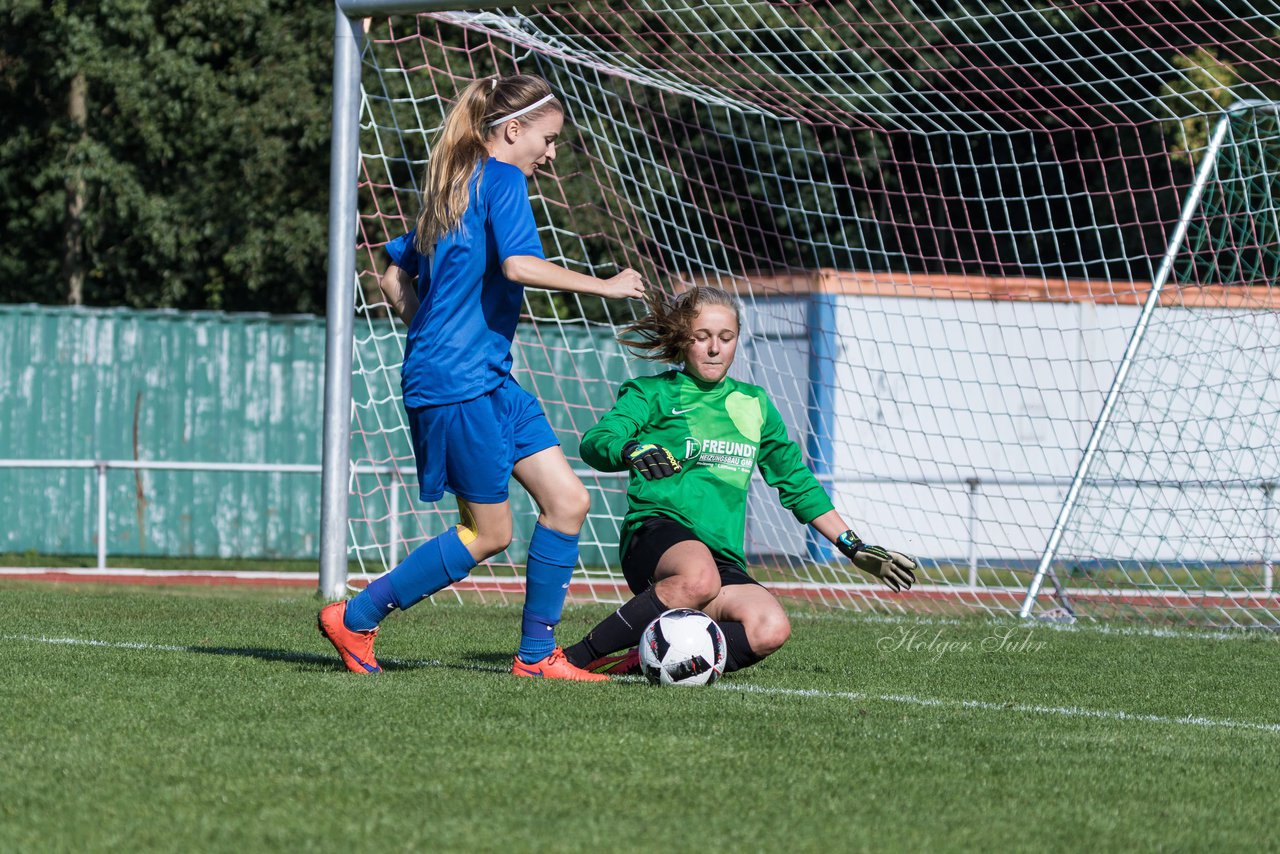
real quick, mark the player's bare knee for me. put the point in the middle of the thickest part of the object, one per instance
(566, 510)
(769, 634)
(492, 542)
(489, 548)
(580, 503)
(569, 510)
(691, 589)
(706, 588)
(699, 587)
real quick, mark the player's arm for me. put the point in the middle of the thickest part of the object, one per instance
(400, 291)
(519, 247)
(534, 272)
(895, 569)
(782, 465)
(616, 442)
(602, 445)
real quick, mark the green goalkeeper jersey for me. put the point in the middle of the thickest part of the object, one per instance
(720, 432)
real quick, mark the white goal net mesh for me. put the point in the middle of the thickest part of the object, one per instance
(944, 220)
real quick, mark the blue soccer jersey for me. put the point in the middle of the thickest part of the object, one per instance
(459, 344)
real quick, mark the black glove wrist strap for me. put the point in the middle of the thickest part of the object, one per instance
(850, 543)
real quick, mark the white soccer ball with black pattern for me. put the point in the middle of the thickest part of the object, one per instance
(682, 647)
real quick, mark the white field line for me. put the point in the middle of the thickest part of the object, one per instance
(88, 573)
(865, 589)
(1241, 633)
(851, 696)
(1059, 711)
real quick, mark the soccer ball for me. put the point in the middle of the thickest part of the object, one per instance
(682, 647)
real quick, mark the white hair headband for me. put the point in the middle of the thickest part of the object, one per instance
(518, 113)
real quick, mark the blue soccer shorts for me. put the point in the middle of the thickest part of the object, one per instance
(470, 448)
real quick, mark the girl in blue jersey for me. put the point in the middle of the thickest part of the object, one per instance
(457, 280)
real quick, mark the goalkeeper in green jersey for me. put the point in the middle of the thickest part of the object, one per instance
(691, 438)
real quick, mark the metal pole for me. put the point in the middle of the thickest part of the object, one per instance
(340, 307)
(823, 352)
(1268, 521)
(393, 524)
(102, 515)
(973, 527)
(1126, 361)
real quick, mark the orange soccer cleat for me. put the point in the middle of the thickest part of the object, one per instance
(356, 648)
(555, 666)
(621, 663)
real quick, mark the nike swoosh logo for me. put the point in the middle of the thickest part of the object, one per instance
(683, 411)
(366, 665)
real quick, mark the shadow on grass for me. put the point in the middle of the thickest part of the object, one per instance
(483, 662)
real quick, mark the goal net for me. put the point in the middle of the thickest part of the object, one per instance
(944, 221)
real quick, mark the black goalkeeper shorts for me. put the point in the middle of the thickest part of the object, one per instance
(651, 541)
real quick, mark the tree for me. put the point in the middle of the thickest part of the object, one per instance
(165, 154)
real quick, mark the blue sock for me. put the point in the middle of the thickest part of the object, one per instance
(368, 607)
(552, 559)
(428, 569)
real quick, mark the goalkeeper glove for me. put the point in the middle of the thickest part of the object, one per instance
(652, 461)
(893, 568)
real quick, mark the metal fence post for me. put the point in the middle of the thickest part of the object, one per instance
(102, 514)
(1270, 522)
(973, 484)
(393, 523)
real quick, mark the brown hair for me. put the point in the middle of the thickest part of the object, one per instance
(663, 334)
(463, 141)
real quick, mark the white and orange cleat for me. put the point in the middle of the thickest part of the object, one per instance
(555, 666)
(356, 648)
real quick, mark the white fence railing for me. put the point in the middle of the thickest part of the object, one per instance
(104, 466)
(972, 486)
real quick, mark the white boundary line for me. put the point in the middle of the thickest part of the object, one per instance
(311, 579)
(1249, 633)
(905, 699)
(1060, 711)
(866, 589)
(89, 573)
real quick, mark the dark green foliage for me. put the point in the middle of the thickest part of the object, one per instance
(1237, 239)
(895, 136)
(204, 155)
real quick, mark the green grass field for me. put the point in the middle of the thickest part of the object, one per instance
(183, 719)
(1075, 578)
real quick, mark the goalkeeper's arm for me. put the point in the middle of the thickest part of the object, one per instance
(895, 569)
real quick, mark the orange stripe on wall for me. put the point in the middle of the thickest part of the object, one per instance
(925, 286)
